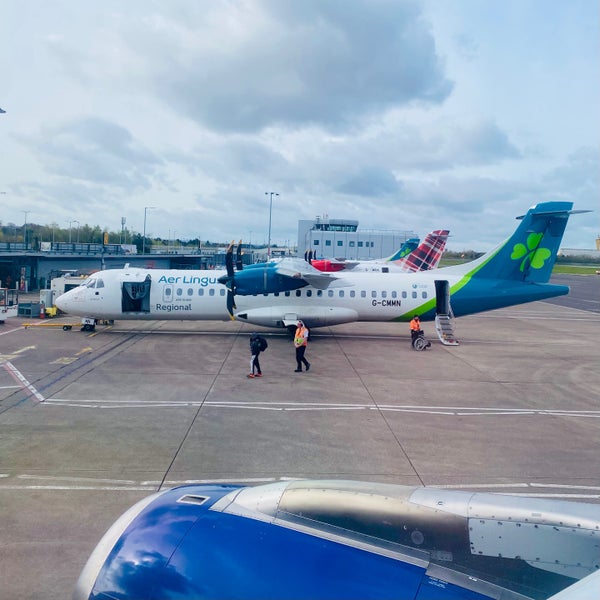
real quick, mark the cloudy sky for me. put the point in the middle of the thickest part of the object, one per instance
(402, 114)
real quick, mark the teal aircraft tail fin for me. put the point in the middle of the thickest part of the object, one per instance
(404, 250)
(530, 252)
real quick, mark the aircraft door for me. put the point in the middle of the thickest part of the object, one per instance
(442, 297)
(135, 296)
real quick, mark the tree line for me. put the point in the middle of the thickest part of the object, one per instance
(86, 234)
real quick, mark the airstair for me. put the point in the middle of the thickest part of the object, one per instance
(444, 326)
(444, 317)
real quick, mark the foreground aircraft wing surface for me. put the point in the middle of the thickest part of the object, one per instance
(343, 539)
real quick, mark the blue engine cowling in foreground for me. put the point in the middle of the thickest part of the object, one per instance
(328, 539)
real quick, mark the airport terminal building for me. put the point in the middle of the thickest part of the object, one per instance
(341, 238)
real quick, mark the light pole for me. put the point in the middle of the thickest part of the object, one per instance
(146, 209)
(271, 194)
(70, 224)
(77, 230)
(25, 228)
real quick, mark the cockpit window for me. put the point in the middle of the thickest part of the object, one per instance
(100, 283)
(90, 283)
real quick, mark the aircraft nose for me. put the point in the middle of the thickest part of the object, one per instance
(63, 303)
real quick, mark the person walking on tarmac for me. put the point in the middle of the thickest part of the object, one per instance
(300, 343)
(415, 329)
(257, 344)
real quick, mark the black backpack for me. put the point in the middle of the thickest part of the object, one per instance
(263, 343)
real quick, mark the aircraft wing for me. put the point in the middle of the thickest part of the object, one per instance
(584, 589)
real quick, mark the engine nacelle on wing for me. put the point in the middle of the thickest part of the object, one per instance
(341, 539)
(265, 280)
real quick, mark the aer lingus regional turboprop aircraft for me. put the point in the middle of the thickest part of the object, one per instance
(278, 293)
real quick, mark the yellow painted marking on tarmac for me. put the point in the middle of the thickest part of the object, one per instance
(7, 357)
(67, 360)
(64, 360)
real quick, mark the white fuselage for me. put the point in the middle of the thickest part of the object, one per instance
(194, 295)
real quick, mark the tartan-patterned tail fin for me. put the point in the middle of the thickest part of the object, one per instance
(427, 255)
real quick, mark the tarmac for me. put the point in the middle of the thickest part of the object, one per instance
(92, 422)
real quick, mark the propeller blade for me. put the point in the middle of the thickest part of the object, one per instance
(238, 261)
(230, 304)
(229, 260)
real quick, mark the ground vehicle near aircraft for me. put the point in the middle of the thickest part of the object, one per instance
(281, 292)
(343, 539)
(408, 259)
(9, 304)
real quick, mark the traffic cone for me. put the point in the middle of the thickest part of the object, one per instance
(42, 311)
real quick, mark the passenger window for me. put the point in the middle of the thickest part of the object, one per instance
(168, 292)
(341, 293)
(211, 292)
(414, 294)
(222, 292)
(276, 294)
(179, 291)
(373, 294)
(424, 295)
(330, 293)
(404, 295)
(394, 294)
(352, 293)
(298, 293)
(363, 294)
(319, 293)
(287, 293)
(200, 291)
(384, 294)
(190, 292)
(308, 293)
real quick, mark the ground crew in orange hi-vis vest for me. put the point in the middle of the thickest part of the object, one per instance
(300, 343)
(415, 328)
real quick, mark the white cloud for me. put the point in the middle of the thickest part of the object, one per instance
(403, 115)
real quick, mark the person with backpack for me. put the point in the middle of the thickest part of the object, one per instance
(258, 344)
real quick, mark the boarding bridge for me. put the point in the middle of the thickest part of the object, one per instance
(444, 319)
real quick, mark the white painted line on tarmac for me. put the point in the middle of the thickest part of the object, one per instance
(453, 411)
(577, 492)
(77, 487)
(566, 486)
(80, 479)
(20, 378)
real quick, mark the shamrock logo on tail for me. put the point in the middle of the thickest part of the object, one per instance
(536, 256)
